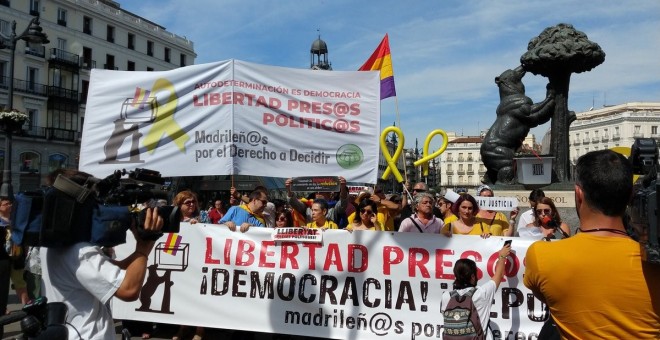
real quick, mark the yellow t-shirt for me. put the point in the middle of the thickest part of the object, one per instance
(383, 216)
(477, 229)
(328, 225)
(498, 224)
(597, 287)
(374, 228)
(450, 219)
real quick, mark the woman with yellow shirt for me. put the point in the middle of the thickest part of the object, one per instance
(365, 217)
(497, 222)
(466, 209)
(319, 210)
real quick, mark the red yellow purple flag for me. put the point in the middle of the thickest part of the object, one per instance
(381, 60)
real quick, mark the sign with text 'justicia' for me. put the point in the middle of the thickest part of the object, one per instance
(233, 117)
(359, 285)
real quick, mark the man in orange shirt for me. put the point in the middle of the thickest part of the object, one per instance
(595, 283)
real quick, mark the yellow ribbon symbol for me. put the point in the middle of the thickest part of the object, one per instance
(391, 160)
(164, 124)
(425, 153)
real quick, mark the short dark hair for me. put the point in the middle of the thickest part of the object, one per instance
(322, 202)
(256, 195)
(536, 194)
(606, 178)
(463, 271)
(465, 197)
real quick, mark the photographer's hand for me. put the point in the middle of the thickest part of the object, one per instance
(136, 263)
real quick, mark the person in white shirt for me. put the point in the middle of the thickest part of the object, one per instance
(527, 217)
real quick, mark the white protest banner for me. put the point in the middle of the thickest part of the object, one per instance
(233, 117)
(497, 203)
(360, 285)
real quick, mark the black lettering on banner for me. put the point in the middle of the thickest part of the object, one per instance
(236, 282)
(531, 310)
(303, 282)
(365, 292)
(328, 290)
(350, 292)
(506, 304)
(214, 281)
(292, 286)
(405, 296)
(267, 286)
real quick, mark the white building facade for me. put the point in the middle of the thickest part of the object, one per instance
(51, 81)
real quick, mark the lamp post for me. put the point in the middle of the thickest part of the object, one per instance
(34, 35)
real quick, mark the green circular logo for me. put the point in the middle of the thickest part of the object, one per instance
(349, 156)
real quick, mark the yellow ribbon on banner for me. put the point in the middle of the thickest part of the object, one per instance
(425, 152)
(391, 159)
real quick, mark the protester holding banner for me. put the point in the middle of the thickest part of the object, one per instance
(386, 208)
(497, 222)
(424, 221)
(596, 283)
(546, 217)
(528, 216)
(365, 218)
(466, 208)
(283, 219)
(319, 213)
(332, 212)
(216, 211)
(247, 215)
(188, 205)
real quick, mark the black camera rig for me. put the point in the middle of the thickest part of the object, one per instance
(644, 208)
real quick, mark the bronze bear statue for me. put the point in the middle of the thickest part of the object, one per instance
(516, 115)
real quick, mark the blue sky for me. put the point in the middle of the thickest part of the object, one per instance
(445, 54)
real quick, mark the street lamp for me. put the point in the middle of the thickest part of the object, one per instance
(34, 35)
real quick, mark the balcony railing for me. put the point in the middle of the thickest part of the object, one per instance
(576, 142)
(638, 134)
(44, 132)
(586, 141)
(616, 136)
(63, 56)
(461, 159)
(605, 138)
(61, 22)
(594, 139)
(60, 92)
(110, 67)
(461, 172)
(88, 64)
(25, 86)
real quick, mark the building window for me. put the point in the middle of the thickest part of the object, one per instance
(84, 90)
(87, 25)
(57, 161)
(34, 7)
(30, 162)
(150, 48)
(130, 66)
(182, 60)
(149, 69)
(5, 28)
(3, 73)
(61, 17)
(110, 36)
(168, 53)
(109, 62)
(654, 130)
(131, 41)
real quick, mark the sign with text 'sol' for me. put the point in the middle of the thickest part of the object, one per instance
(359, 285)
(233, 117)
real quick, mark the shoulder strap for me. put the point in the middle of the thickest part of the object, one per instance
(416, 225)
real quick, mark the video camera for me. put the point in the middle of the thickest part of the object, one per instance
(644, 208)
(99, 211)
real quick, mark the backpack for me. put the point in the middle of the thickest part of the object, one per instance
(461, 319)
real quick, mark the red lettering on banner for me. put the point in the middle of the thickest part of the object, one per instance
(265, 253)
(511, 269)
(289, 252)
(364, 258)
(311, 248)
(208, 259)
(245, 249)
(441, 264)
(419, 263)
(388, 261)
(333, 258)
(227, 252)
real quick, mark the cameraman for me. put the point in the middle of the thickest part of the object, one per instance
(85, 279)
(595, 283)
